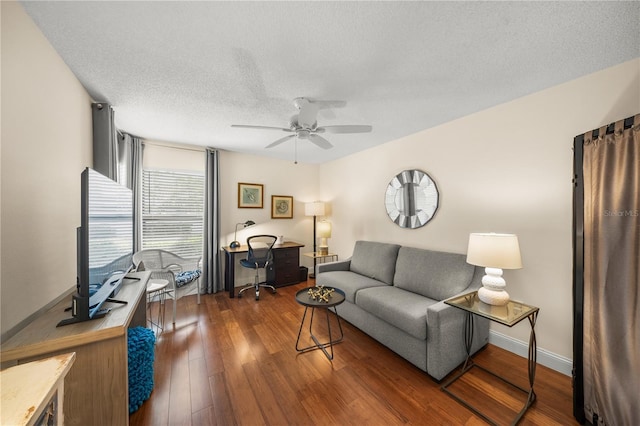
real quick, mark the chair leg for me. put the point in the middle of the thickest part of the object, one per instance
(174, 308)
(256, 286)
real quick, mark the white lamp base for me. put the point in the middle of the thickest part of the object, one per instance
(493, 287)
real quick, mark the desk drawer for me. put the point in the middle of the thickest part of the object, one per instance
(286, 255)
(287, 266)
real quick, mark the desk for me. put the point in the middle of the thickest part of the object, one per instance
(286, 258)
(96, 389)
(510, 314)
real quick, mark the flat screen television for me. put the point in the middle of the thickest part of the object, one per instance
(104, 245)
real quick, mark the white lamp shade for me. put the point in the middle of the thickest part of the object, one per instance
(494, 251)
(324, 229)
(314, 209)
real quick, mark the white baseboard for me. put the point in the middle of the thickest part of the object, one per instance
(548, 359)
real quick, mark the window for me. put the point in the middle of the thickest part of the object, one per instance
(173, 211)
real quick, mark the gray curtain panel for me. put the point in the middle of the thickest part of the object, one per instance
(105, 140)
(611, 337)
(212, 273)
(130, 174)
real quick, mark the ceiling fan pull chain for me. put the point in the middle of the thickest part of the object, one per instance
(295, 152)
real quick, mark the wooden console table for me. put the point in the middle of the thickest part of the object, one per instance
(96, 388)
(286, 260)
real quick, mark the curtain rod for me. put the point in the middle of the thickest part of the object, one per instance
(175, 145)
(185, 147)
(628, 122)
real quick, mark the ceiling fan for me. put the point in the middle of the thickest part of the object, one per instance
(304, 125)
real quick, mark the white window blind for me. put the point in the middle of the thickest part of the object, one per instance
(173, 211)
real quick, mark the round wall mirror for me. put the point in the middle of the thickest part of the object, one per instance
(411, 199)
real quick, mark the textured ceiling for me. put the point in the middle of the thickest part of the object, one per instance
(185, 71)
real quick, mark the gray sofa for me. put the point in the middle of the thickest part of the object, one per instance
(395, 294)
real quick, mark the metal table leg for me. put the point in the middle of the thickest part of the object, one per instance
(469, 364)
(319, 345)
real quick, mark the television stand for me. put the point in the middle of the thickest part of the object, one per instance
(74, 320)
(96, 388)
(98, 314)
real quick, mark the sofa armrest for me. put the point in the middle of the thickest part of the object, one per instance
(445, 338)
(341, 265)
(476, 281)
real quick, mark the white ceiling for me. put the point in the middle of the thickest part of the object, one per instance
(185, 71)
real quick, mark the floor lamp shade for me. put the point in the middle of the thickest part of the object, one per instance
(495, 252)
(314, 209)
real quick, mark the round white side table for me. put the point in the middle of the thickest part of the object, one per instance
(156, 290)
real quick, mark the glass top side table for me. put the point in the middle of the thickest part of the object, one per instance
(510, 314)
(317, 255)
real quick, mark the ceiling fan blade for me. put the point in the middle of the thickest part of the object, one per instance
(320, 141)
(347, 128)
(279, 141)
(248, 126)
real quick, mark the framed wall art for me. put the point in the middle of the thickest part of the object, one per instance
(281, 207)
(250, 195)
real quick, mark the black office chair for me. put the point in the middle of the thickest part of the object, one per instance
(259, 256)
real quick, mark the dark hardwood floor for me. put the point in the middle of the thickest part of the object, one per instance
(233, 362)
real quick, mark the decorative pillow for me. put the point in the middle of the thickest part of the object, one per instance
(184, 278)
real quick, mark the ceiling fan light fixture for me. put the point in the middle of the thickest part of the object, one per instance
(303, 134)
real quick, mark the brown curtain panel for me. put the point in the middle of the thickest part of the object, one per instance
(611, 324)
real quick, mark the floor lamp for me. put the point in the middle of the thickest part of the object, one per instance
(314, 209)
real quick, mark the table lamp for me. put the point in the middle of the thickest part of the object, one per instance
(314, 209)
(324, 232)
(495, 252)
(235, 243)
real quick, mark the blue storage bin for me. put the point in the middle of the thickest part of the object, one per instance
(140, 344)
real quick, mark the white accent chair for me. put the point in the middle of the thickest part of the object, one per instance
(166, 265)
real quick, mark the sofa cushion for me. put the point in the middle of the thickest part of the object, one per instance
(375, 260)
(400, 308)
(434, 274)
(347, 281)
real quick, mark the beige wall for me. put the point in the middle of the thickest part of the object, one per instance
(46, 143)
(279, 177)
(505, 169)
